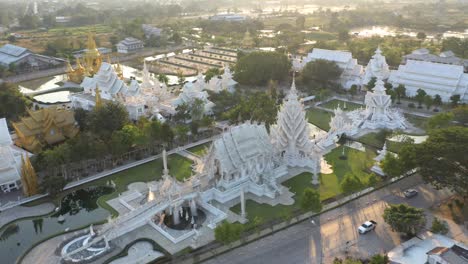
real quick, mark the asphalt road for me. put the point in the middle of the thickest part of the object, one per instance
(335, 232)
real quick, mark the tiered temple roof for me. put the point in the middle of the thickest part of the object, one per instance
(291, 134)
(45, 127)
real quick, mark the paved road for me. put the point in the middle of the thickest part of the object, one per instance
(326, 239)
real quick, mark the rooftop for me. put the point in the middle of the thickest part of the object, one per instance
(332, 55)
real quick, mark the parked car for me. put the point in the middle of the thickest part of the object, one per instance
(410, 193)
(367, 226)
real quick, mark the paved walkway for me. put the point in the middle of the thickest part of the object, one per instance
(19, 212)
(139, 253)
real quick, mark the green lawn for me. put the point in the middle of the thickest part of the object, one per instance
(417, 121)
(333, 104)
(200, 150)
(179, 167)
(319, 118)
(372, 139)
(358, 162)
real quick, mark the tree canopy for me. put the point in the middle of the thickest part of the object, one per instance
(404, 218)
(311, 200)
(13, 104)
(257, 68)
(321, 71)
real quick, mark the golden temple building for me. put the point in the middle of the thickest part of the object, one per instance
(92, 60)
(44, 127)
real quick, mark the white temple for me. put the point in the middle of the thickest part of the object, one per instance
(192, 91)
(223, 82)
(138, 100)
(378, 113)
(434, 78)
(10, 160)
(377, 66)
(291, 136)
(352, 71)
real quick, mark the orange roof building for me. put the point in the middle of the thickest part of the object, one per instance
(44, 127)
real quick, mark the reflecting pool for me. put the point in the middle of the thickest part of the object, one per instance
(78, 208)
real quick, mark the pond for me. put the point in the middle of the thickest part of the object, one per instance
(78, 208)
(54, 97)
(383, 31)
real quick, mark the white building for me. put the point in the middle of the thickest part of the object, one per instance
(223, 82)
(192, 91)
(138, 101)
(228, 17)
(291, 136)
(10, 160)
(151, 31)
(377, 67)
(446, 57)
(129, 45)
(352, 71)
(434, 78)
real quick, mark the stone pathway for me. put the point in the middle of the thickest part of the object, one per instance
(141, 252)
(19, 212)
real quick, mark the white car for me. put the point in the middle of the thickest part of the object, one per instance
(367, 226)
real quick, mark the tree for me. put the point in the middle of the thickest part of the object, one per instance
(420, 95)
(167, 135)
(455, 99)
(343, 35)
(181, 132)
(322, 71)
(438, 226)
(351, 183)
(227, 233)
(400, 92)
(421, 35)
(53, 185)
(11, 38)
(379, 259)
(210, 73)
(461, 115)
(371, 84)
(81, 117)
(441, 120)
(405, 219)
(441, 159)
(353, 90)
(13, 103)
(437, 102)
(311, 200)
(391, 166)
(182, 113)
(197, 109)
(258, 107)
(300, 22)
(163, 78)
(428, 101)
(257, 68)
(103, 121)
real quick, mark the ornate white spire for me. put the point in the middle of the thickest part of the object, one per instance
(376, 68)
(291, 134)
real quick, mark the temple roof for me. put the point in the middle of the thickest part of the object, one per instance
(241, 144)
(5, 138)
(41, 119)
(331, 55)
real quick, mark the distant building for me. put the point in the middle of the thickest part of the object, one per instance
(45, 127)
(352, 71)
(429, 248)
(446, 57)
(151, 31)
(228, 17)
(434, 78)
(129, 45)
(62, 19)
(25, 60)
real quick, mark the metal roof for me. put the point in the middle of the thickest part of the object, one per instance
(13, 50)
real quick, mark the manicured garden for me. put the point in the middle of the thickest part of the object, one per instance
(200, 150)
(333, 104)
(357, 162)
(319, 118)
(417, 121)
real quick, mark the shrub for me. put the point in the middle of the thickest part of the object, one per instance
(439, 227)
